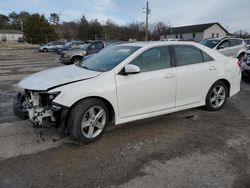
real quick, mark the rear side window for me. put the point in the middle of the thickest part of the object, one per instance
(206, 57)
(153, 59)
(247, 42)
(239, 41)
(187, 55)
(233, 42)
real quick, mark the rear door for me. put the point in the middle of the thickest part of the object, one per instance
(235, 47)
(194, 70)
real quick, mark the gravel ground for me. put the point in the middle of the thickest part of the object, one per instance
(192, 148)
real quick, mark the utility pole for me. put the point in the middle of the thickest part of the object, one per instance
(147, 12)
(21, 23)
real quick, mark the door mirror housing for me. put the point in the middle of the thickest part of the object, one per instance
(131, 69)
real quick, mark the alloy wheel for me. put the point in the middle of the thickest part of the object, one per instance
(93, 122)
(218, 96)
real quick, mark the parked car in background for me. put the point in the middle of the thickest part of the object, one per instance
(71, 45)
(247, 41)
(245, 67)
(74, 56)
(232, 47)
(128, 82)
(51, 46)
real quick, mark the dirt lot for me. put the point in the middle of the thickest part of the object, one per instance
(193, 148)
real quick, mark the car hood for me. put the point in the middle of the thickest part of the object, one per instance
(55, 77)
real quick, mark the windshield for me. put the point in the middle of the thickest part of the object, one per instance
(85, 46)
(211, 43)
(67, 44)
(50, 43)
(108, 58)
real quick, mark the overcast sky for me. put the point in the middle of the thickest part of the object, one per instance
(232, 14)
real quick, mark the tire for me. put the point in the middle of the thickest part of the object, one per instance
(45, 50)
(75, 60)
(216, 101)
(84, 123)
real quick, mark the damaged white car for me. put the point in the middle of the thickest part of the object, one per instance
(125, 83)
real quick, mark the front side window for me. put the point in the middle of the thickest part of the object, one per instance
(211, 43)
(187, 55)
(224, 44)
(50, 43)
(153, 59)
(96, 46)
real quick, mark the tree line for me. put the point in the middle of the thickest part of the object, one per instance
(39, 29)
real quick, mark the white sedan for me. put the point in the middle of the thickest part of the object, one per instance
(125, 83)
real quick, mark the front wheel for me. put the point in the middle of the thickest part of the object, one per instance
(75, 60)
(45, 50)
(88, 120)
(217, 96)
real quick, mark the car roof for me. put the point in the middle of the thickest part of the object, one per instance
(224, 38)
(156, 43)
(214, 39)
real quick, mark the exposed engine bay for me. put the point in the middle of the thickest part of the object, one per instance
(37, 106)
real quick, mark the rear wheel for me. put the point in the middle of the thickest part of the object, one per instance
(88, 120)
(217, 96)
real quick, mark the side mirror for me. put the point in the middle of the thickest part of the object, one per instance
(131, 69)
(220, 47)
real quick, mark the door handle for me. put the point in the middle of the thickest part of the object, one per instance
(169, 75)
(212, 68)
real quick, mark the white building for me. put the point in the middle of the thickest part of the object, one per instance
(197, 32)
(10, 35)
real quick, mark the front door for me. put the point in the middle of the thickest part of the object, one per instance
(151, 90)
(225, 48)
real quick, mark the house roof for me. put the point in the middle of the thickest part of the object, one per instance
(11, 31)
(192, 28)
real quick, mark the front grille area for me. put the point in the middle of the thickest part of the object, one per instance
(62, 55)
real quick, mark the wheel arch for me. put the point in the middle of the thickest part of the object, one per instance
(225, 81)
(241, 52)
(110, 107)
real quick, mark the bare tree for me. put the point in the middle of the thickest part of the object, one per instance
(54, 18)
